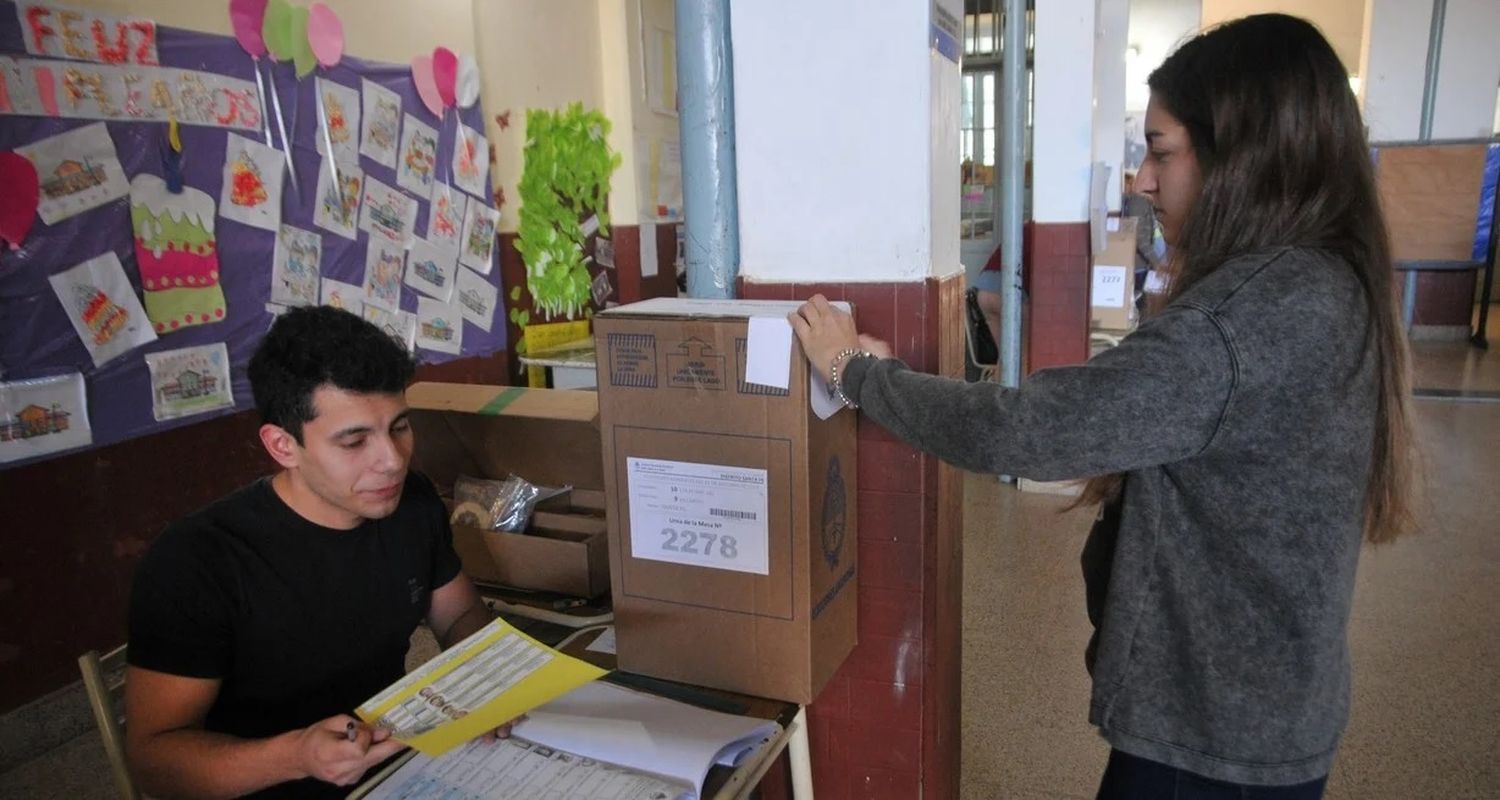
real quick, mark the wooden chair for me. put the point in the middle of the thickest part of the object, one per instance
(104, 678)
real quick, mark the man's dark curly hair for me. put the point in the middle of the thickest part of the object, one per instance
(315, 346)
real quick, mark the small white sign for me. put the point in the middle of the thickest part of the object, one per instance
(768, 352)
(702, 515)
(649, 265)
(1109, 287)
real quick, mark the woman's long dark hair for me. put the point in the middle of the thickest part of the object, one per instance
(1281, 146)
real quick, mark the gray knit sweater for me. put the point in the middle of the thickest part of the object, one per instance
(1220, 585)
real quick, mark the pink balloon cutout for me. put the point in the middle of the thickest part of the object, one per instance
(427, 88)
(247, 17)
(445, 72)
(19, 202)
(325, 33)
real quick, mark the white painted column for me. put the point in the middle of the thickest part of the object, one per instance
(1111, 29)
(1063, 136)
(846, 132)
(1394, 69)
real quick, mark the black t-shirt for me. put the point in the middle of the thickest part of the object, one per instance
(299, 622)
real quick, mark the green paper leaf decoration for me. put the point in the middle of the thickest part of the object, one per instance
(566, 177)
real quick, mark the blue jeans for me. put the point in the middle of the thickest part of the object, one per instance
(1131, 778)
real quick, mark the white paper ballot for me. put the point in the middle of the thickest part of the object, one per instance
(768, 353)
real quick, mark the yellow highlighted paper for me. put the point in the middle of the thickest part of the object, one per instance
(487, 680)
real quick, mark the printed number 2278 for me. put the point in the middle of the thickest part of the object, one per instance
(695, 543)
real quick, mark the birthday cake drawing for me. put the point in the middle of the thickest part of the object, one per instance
(177, 254)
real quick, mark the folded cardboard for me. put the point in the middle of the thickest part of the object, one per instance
(548, 437)
(730, 504)
(1112, 283)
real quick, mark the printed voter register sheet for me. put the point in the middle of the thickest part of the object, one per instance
(598, 742)
(483, 682)
(701, 515)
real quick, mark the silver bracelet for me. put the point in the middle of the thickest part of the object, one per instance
(837, 384)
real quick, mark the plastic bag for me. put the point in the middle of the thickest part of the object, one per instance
(497, 505)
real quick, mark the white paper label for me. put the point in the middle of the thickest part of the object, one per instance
(768, 352)
(1112, 224)
(702, 515)
(649, 265)
(1109, 287)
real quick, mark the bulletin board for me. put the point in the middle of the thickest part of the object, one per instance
(37, 334)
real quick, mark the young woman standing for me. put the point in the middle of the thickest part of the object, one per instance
(1242, 443)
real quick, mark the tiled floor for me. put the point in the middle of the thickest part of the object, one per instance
(1425, 643)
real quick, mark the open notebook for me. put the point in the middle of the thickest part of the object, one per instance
(598, 741)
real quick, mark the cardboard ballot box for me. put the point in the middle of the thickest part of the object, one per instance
(731, 505)
(550, 438)
(1112, 286)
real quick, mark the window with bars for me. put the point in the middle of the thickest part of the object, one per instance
(979, 139)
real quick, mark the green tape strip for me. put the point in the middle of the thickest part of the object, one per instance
(498, 404)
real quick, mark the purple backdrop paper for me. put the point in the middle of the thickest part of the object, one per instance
(36, 338)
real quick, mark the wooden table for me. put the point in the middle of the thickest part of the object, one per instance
(723, 783)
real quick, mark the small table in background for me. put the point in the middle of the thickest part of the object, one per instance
(572, 365)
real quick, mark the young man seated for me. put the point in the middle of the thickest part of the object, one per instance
(260, 622)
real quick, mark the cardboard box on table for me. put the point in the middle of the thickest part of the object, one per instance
(1112, 280)
(550, 438)
(731, 505)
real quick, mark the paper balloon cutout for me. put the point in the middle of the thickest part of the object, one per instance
(427, 88)
(466, 90)
(19, 200)
(274, 29)
(302, 53)
(445, 72)
(247, 17)
(325, 34)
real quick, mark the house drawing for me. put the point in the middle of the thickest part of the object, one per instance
(472, 301)
(33, 421)
(386, 215)
(438, 329)
(188, 385)
(72, 177)
(428, 270)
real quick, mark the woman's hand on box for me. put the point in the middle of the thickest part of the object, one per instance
(826, 331)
